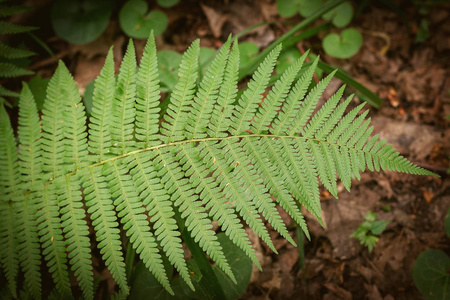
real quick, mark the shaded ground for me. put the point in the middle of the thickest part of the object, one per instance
(412, 79)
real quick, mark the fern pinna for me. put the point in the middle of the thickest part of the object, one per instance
(213, 156)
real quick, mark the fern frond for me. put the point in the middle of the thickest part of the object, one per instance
(101, 210)
(248, 103)
(220, 119)
(272, 180)
(233, 189)
(10, 28)
(8, 246)
(99, 136)
(147, 98)
(76, 233)
(10, 190)
(198, 170)
(75, 150)
(131, 214)
(210, 159)
(199, 225)
(8, 93)
(29, 248)
(51, 238)
(256, 190)
(11, 70)
(13, 53)
(205, 99)
(307, 107)
(29, 132)
(159, 207)
(53, 145)
(9, 10)
(123, 110)
(293, 101)
(9, 166)
(182, 95)
(276, 96)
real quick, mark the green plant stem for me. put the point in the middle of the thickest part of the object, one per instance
(369, 96)
(305, 34)
(129, 261)
(208, 282)
(43, 45)
(251, 67)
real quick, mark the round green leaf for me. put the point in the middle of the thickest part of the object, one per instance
(431, 273)
(344, 46)
(247, 51)
(308, 7)
(167, 3)
(38, 87)
(287, 58)
(136, 23)
(240, 264)
(80, 22)
(288, 8)
(145, 285)
(341, 15)
(205, 59)
(168, 62)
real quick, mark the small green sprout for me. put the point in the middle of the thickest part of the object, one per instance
(367, 233)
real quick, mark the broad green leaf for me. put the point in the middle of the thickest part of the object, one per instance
(308, 7)
(247, 51)
(80, 22)
(88, 97)
(288, 8)
(431, 273)
(168, 62)
(137, 23)
(38, 87)
(344, 45)
(340, 16)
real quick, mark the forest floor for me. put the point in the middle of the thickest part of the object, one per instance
(411, 78)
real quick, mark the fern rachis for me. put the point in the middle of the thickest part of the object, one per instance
(214, 157)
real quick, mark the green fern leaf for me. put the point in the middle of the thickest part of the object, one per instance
(293, 101)
(182, 95)
(29, 132)
(205, 99)
(248, 103)
(51, 238)
(76, 233)
(10, 28)
(10, 70)
(131, 214)
(158, 204)
(8, 93)
(100, 139)
(232, 189)
(123, 110)
(10, 10)
(220, 119)
(101, 210)
(147, 100)
(13, 53)
(212, 158)
(276, 96)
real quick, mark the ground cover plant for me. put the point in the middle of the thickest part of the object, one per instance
(213, 156)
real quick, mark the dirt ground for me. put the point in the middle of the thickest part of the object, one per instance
(411, 78)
